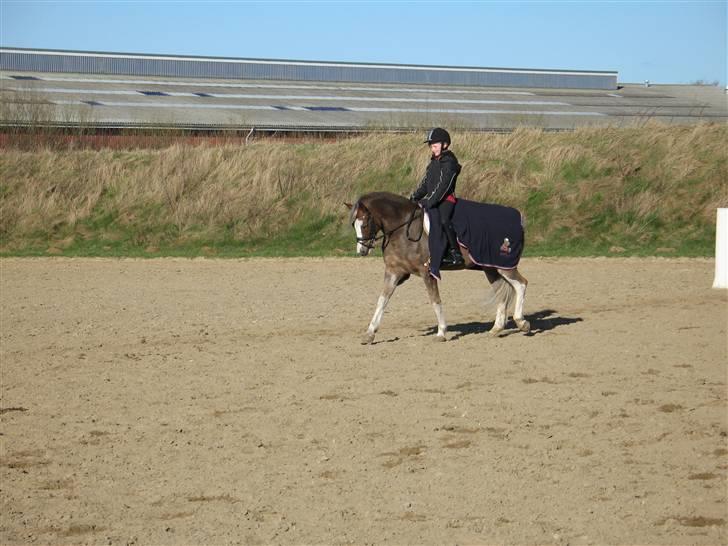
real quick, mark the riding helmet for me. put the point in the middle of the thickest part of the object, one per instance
(438, 134)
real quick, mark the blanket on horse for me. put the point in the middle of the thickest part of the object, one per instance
(492, 234)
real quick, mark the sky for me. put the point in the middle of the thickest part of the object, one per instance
(660, 41)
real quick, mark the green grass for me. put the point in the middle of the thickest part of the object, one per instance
(325, 237)
(597, 192)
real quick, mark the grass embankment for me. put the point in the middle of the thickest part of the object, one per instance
(641, 191)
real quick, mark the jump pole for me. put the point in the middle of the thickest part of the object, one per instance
(721, 250)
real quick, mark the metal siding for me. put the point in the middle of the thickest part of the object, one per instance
(40, 62)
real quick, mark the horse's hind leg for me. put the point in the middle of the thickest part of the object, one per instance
(434, 293)
(519, 283)
(501, 295)
(391, 280)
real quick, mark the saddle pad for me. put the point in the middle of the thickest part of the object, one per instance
(492, 234)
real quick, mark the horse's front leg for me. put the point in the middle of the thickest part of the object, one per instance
(390, 283)
(434, 292)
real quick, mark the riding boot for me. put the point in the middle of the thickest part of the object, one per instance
(454, 257)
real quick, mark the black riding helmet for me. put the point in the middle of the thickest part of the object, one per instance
(438, 134)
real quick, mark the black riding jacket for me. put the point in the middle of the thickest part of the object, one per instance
(439, 180)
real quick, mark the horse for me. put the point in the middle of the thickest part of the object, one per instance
(405, 250)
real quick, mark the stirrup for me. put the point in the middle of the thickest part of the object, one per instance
(453, 259)
(456, 258)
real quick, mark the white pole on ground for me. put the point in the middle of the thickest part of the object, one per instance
(721, 250)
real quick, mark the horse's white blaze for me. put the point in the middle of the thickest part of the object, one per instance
(441, 326)
(360, 248)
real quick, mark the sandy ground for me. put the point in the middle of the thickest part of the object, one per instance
(211, 402)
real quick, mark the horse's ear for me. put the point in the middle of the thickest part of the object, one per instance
(348, 205)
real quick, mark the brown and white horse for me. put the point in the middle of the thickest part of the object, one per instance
(398, 223)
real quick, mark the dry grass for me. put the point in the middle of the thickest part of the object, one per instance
(647, 185)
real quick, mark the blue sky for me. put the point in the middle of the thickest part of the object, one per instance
(664, 42)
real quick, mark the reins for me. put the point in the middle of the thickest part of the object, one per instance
(370, 242)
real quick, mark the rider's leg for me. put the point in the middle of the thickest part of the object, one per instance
(446, 210)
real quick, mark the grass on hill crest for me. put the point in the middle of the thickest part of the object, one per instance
(601, 191)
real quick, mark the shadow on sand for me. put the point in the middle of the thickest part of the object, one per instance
(541, 321)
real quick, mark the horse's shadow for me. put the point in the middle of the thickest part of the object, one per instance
(541, 321)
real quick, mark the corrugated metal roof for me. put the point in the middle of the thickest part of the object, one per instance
(89, 62)
(73, 95)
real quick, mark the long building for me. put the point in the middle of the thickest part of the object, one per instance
(117, 90)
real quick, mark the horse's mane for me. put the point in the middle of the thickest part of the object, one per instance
(389, 205)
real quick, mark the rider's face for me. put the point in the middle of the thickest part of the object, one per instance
(436, 148)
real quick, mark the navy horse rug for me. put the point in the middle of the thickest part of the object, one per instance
(492, 235)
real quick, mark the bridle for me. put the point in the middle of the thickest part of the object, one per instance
(371, 241)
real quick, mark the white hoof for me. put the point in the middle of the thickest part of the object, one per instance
(368, 339)
(495, 332)
(523, 325)
(440, 338)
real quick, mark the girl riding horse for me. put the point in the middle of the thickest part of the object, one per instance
(437, 189)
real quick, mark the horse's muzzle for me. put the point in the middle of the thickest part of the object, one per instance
(363, 250)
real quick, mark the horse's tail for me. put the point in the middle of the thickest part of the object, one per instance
(502, 292)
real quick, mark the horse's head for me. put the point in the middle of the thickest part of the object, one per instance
(365, 225)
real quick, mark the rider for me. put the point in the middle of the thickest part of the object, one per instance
(437, 188)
